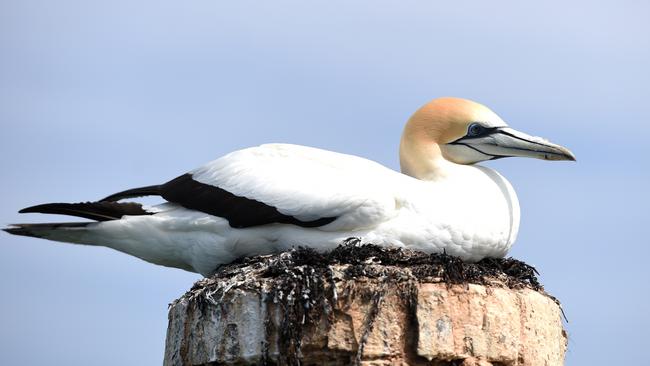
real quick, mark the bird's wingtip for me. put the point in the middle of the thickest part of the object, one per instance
(42, 208)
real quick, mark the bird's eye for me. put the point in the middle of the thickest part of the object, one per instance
(475, 130)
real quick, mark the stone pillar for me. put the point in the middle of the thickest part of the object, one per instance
(367, 307)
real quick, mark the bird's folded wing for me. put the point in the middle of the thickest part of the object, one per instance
(299, 182)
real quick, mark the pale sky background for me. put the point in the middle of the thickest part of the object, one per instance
(100, 96)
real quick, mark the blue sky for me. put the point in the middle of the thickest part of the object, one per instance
(96, 97)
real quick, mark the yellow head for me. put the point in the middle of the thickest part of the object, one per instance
(460, 131)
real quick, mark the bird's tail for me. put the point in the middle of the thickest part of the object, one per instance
(69, 232)
(74, 232)
(113, 228)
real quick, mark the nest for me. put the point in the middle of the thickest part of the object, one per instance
(304, 282)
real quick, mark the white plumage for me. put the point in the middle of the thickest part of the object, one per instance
(443, 204)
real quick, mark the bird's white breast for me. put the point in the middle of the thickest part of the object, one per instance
(472, 213)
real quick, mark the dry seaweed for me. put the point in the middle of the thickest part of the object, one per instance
(435, 267)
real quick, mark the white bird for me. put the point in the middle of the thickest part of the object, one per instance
(272, 197)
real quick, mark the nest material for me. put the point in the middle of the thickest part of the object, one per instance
(366, 260)
(304, 283)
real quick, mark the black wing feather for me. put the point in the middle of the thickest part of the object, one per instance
(241, 212)
(133, 193)
(99, 211)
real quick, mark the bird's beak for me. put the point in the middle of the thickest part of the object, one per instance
(504, 142)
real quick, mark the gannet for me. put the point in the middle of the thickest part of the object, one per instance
(273, 197)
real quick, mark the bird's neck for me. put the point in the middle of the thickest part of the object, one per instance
(422, 159)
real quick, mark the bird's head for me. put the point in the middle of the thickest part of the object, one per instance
(459, 131)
